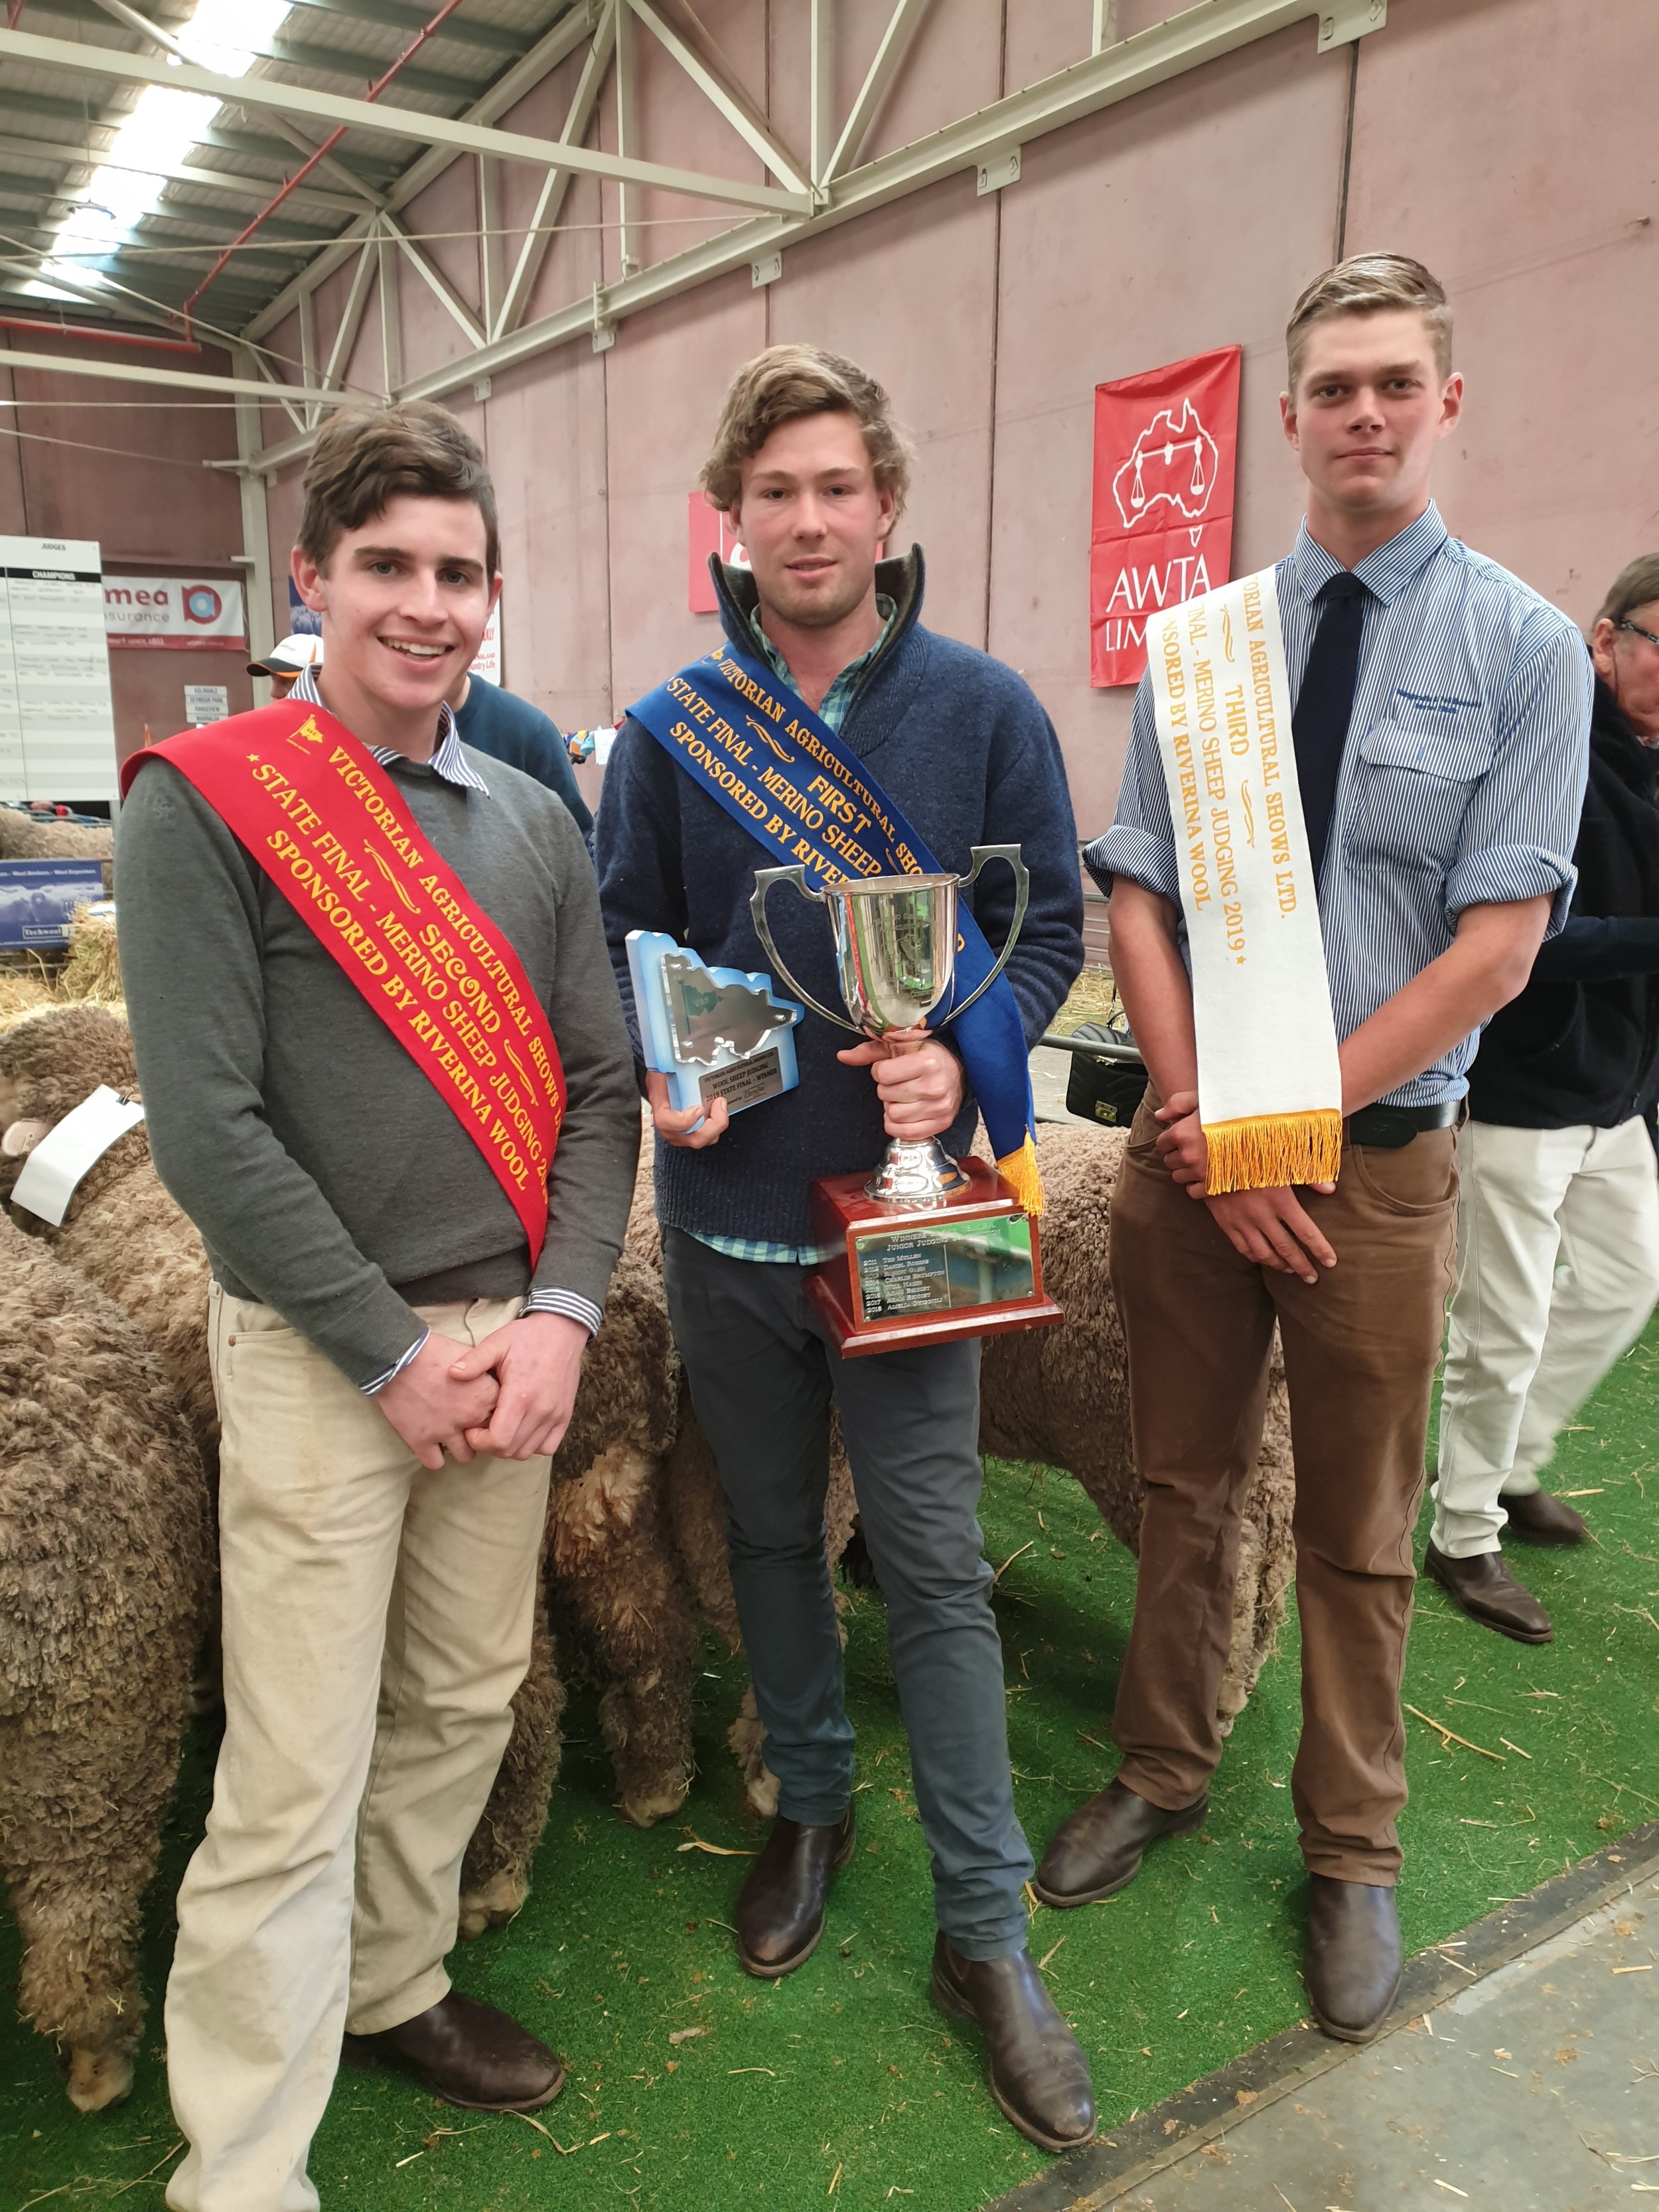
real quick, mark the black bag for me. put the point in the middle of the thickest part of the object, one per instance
(1105, 1091)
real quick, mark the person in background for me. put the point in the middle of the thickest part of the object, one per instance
(286, 660)
(510, 729)
(1559, 1222)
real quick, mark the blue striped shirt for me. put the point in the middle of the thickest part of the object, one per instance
(1462, 779)
(449, 761)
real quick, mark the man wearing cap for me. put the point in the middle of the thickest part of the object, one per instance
(287, 661)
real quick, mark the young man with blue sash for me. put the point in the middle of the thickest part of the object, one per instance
(1347, 824)
(896, 736)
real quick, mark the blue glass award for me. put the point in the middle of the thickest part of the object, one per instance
(713, 1032)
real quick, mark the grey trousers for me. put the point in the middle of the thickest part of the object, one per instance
(763, 1375)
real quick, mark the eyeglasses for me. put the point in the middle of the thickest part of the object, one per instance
(1637, 630)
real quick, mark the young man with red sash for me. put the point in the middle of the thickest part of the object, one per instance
(386, 1074)
(1345, 825)
(944, 749)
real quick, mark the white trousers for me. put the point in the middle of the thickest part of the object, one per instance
(377, 1620)
(1557, 1233)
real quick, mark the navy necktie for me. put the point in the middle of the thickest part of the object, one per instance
(1324, 705)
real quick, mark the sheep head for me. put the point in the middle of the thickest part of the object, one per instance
(49, 1062)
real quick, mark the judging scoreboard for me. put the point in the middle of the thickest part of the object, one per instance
(56, 721)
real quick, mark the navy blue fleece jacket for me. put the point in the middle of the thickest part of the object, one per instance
(958, 741)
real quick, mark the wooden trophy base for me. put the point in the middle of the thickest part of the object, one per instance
(971, 1267)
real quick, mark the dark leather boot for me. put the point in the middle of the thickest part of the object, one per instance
(1538, 1518)
(1097, 1851)
(1036, 2072)
(468, 2054)
(1484, 1587)
(781, 1906)
(1352, 1961)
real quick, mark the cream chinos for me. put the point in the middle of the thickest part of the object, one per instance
(1557, 1272)
(377, 1620)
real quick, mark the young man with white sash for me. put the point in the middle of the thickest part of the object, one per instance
(387, 1075)
(924, 749)
(1345, 825)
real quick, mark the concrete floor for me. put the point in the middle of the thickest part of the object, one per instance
(1532, 2086)
(1535, 2090)
(1049, 1073)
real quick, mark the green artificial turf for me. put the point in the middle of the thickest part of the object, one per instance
(841, 2085)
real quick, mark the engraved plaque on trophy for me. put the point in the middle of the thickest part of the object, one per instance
(927, 1248)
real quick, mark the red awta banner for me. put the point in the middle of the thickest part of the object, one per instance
(1165, 443)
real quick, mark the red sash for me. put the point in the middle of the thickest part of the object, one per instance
(331, 831)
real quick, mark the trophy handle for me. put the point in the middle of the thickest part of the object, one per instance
(1021, 898)
(764, 879)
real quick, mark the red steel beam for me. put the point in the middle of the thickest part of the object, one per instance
(327, 147)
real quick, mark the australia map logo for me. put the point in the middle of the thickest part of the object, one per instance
(1173, 463)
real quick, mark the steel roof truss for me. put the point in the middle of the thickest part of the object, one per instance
(556, 183)
(394, 122)
(725, 99)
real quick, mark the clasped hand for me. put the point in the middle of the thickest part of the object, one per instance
(919, 1081)
(1271, 1227)
(510, 1396)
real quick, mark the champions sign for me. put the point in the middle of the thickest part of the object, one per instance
(329, 828)
(1163, 528)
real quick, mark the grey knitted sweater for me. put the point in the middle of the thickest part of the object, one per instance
(327, 1176)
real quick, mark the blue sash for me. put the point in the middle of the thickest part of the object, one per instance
(782, 773)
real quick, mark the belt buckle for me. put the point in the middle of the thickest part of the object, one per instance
(1386, 1129)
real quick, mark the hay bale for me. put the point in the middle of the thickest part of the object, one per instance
(24, 991)
(92, 971)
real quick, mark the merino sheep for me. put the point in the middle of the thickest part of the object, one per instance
(122, 1230)
(1061, 1397)
(105, 1546)
(620, 1609)
(618, 1601)
(43, 837)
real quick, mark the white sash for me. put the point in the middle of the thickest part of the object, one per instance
(1269, 1084)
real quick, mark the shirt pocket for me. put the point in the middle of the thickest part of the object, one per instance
(1416, 772)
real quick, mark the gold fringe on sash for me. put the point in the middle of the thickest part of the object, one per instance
(1270, 1150)
(1021, 1170)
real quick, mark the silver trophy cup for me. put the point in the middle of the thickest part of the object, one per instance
(896, 957)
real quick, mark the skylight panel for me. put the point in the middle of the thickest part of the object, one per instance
(226, 36)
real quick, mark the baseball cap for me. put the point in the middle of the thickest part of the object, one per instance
(289, 655)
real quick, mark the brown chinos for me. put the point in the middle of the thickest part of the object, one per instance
(1360, 1346)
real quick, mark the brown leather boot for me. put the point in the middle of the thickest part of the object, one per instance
(1352, 1961)
(781, 1906)
(1097, 1851)
(1035, 2070)
(468, 2054)
(1537, 1518)
(1483, 1587)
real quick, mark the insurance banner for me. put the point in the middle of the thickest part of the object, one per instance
(179, 614)
(1165, 443)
